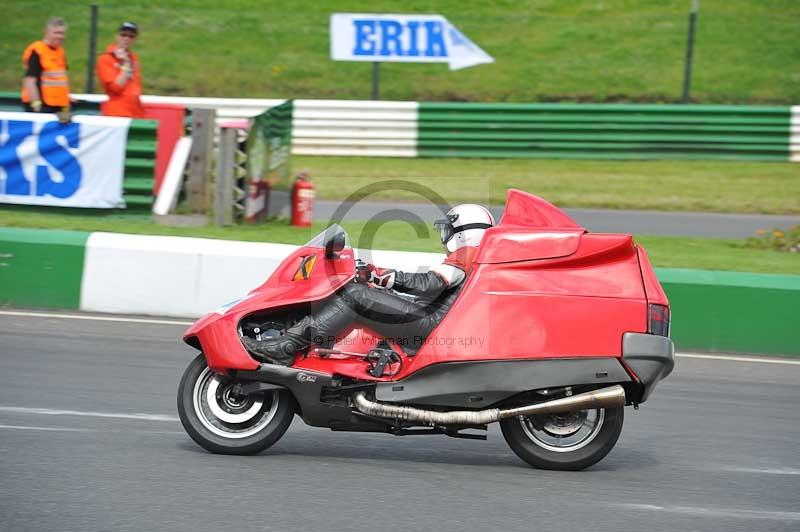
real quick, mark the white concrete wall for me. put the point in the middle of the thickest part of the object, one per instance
(174, 276)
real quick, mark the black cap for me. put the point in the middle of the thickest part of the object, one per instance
(129, 26)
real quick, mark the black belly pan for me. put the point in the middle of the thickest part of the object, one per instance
(482, 383)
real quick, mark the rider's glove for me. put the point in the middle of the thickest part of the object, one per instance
(379, 277)
(382, 278)
(36, 105)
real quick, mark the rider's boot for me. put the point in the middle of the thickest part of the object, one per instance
(319, 328)
(281, 349)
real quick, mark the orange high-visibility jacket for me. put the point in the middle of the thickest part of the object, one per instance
(52, 82)
(123, 100)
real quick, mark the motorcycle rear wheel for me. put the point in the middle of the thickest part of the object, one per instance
(224, 423)
(564, 442)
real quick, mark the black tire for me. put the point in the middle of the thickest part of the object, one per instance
(523, 439)
(263, 426)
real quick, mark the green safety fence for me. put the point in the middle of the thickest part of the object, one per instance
(604, 131)
(140, 152)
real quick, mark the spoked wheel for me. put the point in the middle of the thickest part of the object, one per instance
(567, 442)
(224, 422)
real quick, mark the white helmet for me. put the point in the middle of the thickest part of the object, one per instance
(463, 226)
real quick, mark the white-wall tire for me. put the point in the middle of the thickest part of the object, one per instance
(224, 423)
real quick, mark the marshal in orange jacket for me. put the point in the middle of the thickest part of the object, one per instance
(49, 66)
(123, 100)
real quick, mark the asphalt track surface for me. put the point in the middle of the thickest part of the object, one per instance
(699, 224)
(90, 440)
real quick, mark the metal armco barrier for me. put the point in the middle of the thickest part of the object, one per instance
(520, 130)
(361, 128)
(604, 131)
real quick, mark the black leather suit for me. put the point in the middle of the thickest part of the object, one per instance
(405, 320)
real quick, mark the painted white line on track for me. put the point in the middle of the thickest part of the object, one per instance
(52, 412)
(104, 431)
(156, 321)
(769, 471)
(737, 358)
(715, 512)
(95, 318)
(54, 429)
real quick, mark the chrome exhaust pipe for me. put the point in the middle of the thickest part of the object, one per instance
(610, 397)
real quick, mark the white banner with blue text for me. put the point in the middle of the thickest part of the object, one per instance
(402, 38)
(77, 164)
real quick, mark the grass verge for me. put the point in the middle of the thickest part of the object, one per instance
(712, 186)
(673, 252)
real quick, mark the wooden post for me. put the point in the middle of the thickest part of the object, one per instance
(226, 168)
(200, 159)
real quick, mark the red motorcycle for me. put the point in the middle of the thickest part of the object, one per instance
(555, 330)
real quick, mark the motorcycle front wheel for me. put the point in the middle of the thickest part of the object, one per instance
(223, 422)
(564, 442)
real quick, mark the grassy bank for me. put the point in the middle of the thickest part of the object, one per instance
(544, 50)
(713, 186)
(675, 252)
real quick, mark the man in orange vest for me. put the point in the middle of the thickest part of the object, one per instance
(45, 85)
(118, 70)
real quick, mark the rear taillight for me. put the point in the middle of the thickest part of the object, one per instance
(658, 319)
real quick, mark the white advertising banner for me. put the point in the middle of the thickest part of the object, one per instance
(402, 38)
(79, 164)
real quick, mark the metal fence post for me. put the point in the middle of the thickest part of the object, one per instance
(92, 48)
(200, 159)
(226, 170)
(687, 73)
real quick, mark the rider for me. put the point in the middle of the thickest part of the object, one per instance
(376, 306)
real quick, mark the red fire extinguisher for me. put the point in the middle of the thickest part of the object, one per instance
(302, 200)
